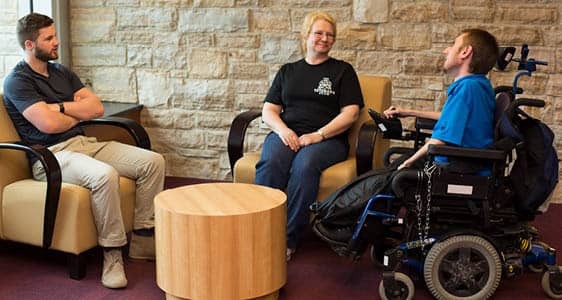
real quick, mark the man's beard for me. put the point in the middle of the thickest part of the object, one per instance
(44, 56)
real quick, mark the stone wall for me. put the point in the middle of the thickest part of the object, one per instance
(195, 64)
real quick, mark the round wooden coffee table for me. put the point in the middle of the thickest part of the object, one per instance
(220, 241)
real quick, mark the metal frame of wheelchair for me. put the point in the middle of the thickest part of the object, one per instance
(459, 261)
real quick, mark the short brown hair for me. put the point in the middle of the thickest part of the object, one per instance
(484, 50)
(309, 20)
(29, 25)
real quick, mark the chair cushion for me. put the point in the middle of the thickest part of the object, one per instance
(75, 231)
(332, 178)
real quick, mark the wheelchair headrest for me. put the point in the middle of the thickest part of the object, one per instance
(505, 56)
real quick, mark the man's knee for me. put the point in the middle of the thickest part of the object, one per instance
(104, 175)
(158, 161)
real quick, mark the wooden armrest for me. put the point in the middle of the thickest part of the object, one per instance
(237, 135)
(365, 147)
(135, 130)
(54, 180)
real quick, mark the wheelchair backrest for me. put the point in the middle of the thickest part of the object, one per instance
(534, 172)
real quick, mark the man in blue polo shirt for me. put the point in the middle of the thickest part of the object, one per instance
(46, 101)
(467, 119)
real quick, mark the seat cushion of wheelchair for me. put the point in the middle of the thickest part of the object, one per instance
(330, 181)
(23, 204)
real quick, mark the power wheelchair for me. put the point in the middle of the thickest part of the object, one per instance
(460, 231)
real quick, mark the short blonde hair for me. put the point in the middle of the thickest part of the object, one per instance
(309, 20)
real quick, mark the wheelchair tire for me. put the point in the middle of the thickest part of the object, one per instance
(553, 292)
(406, 288)
(464, 267)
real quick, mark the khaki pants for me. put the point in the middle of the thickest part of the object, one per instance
(97, 166)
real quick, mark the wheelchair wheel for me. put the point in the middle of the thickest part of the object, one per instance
(553, 291)
(404, 288)
(462, 267)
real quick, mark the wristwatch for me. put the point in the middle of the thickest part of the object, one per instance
(319, 131)
(61, 107)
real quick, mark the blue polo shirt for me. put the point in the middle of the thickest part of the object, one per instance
(467, 119)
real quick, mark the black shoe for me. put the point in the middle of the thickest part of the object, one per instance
(336, 235)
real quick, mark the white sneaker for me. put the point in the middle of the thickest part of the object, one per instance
(113, 275)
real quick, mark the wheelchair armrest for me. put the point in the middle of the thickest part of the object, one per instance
(452, 151)
(423, 123)
(135, 130)
(237, 134)
(365, 147)
(54, 180)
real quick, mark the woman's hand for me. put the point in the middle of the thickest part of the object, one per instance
(310, 138)
(289, 138)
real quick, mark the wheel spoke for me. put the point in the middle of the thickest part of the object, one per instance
(472, 286)
(480, 267)
(464, 255)
(447, 266)
(450, 284)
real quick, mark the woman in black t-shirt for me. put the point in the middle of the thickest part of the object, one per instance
(310, 106)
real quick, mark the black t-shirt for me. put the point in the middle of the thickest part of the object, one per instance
(313, 95)
(24, 87)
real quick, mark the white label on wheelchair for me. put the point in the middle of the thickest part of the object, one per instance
(459, 189)
(382, 127)
(385, 260)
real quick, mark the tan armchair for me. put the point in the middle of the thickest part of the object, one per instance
(366, 151)
(52, 214)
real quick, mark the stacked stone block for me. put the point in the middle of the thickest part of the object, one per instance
(195, 64)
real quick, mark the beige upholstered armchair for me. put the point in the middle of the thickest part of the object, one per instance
(366, 151)
(52, 214)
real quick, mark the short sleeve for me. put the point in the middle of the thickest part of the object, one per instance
(275, 91)
(350, 88)
(20, 90)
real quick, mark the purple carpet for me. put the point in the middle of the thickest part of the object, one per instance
(314, 273)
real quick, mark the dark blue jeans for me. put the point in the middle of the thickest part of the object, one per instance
(298, 173)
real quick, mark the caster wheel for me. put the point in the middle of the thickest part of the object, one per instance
(554, 291)
(404, 289)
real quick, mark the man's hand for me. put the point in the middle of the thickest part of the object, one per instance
(395, 112)
(406, 164)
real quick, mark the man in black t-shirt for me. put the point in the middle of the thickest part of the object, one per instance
(310, 107)
(45, 102)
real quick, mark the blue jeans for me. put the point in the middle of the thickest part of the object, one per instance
(298, 173)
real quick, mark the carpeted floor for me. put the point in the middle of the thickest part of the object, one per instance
(314, 273)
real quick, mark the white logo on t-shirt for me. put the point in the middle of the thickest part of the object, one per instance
(325, 87)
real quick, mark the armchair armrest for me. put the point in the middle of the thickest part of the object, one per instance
(237, 134)
(135, 130)
(365, 147)
(54, 180)
(452, 151)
